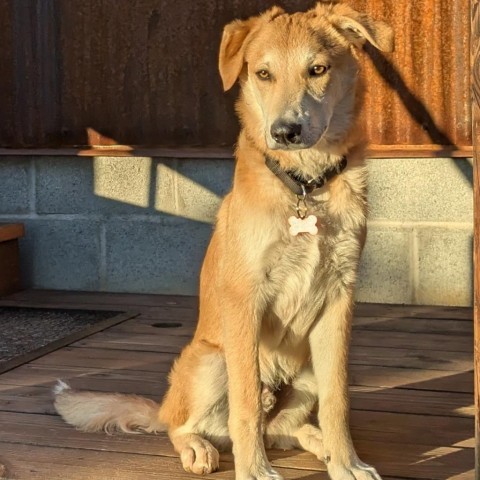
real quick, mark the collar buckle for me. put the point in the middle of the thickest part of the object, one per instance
(302, 207)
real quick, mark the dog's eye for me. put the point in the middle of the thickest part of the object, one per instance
(263, 75)
(318, 70)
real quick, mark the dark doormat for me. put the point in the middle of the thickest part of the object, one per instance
(29, 333)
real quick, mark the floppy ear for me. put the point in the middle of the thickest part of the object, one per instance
(357, 28)
(234, 40)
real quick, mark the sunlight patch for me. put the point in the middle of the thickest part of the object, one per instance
(122, 180)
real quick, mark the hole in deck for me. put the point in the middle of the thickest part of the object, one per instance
(166, 325)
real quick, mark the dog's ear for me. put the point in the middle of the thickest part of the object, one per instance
(358, 27)
(234, 40)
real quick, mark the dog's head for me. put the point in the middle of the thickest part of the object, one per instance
(297, 72)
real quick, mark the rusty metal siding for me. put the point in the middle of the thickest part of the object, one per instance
(428, 72)
(145, 72)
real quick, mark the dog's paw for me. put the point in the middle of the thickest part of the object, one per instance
(200, 457)
(356, 471)
(259, 472)
(271, 475)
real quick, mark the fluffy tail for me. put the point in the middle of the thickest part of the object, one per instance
(92, 412)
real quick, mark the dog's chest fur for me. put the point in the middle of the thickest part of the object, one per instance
(303, 274)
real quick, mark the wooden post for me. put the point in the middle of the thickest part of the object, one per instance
(475, 52)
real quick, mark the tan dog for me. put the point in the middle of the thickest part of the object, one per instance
(275, 297)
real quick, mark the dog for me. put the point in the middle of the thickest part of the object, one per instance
(277, 282)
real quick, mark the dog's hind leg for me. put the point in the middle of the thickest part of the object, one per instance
(289, 425)
(199, 380)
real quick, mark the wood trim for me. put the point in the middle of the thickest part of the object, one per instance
(11, 231)
(60, 78)
(212, 152)
(475, 60)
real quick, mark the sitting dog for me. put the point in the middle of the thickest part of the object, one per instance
(277, 283)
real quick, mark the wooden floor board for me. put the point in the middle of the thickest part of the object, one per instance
(413, 311)
(419, 402)
(395, 340)
(149, 381)
(411, 400)
(411, 358)
(147, 360)
(80, 464)
(99, 298)
(169, 324)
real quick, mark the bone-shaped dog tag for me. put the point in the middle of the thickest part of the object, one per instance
(303, 225)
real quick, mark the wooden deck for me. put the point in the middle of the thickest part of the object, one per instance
(411, 376)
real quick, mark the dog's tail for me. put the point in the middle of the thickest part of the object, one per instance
(92, 411)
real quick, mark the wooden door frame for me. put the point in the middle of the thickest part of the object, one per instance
(475, 59)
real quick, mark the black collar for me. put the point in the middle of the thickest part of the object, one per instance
(298, 184)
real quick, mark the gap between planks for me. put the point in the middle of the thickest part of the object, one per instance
(422, 461)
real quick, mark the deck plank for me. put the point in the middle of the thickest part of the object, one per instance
(184, 324)
(419, 402)
(38, 399)
(101, 298)
(411, 384)
(398, 340)
(414, 325)
(79, 464)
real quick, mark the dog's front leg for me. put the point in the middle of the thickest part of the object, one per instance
(329, 343)
(241, 337)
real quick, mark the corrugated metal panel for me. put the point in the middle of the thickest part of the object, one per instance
(144, 72)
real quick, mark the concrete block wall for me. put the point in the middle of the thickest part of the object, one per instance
(143, 224)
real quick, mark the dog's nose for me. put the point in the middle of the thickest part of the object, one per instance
(286, 133)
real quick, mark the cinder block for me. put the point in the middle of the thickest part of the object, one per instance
(445, 263)
(202, 184)
(124, 180)
(100, 185)
(165, 186)
(384, 273)
(10, 275)
(426, 189)
(64, 185)
(14, 185)
(153, 257)
(61, 254)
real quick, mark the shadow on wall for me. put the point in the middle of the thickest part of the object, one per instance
(126, 224)
(418, 111)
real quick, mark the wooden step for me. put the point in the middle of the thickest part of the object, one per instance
(10, 277)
